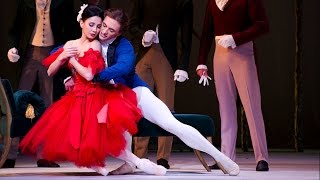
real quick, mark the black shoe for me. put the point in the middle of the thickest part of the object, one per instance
(9, 163)
(262, 166)
(46, 163)
(215, 166)
(163, 163)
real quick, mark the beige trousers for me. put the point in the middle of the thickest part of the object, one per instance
(34, 71)
(235, 71)
(154, 68)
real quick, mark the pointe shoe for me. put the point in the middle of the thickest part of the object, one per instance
(125, 168)
(228, 166)
(151, 168)
(101, 170)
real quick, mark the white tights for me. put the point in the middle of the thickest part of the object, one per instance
(154, 110)
(143, 164)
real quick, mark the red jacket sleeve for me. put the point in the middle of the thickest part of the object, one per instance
(259, 26)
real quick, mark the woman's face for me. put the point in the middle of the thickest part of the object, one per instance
(91, 27)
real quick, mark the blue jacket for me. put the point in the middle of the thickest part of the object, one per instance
(121, 65)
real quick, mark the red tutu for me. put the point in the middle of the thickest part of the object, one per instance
(87, 124)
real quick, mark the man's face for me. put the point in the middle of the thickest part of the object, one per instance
(110, 29)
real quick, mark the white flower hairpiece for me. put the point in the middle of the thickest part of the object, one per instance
(81, 11)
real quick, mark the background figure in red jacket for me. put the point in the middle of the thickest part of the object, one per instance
(234, 24)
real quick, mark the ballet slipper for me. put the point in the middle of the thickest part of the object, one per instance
(125, 168)
(151, 168)
(228, 166)
(101, 170)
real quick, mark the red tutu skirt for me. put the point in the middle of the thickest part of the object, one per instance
(85, 126)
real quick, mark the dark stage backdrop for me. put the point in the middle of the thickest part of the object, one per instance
(276, 63)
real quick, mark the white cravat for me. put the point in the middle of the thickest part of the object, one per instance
(104, 50)
(221, 4)
(105, 46)
(105, 53)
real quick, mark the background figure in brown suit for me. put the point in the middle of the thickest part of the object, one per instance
(157, 23)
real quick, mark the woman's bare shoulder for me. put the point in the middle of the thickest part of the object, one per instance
(95, 45)
(70, 43)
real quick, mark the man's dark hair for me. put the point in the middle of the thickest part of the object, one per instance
(118, 15)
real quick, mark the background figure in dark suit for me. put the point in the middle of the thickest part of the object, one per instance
(39, 26)
(157, 23)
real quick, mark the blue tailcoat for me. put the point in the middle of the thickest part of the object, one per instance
(121, 65)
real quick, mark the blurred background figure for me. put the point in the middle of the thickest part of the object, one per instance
(39, 26)
(156, 28)
(235, 24)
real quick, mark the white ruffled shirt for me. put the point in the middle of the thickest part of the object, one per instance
(221, 4)
(104, 51)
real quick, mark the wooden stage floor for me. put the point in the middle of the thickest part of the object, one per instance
(184, 166)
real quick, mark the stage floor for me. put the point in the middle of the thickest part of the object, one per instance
(184, 165)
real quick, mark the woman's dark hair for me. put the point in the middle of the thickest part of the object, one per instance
(90, 11)
(118, 15)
